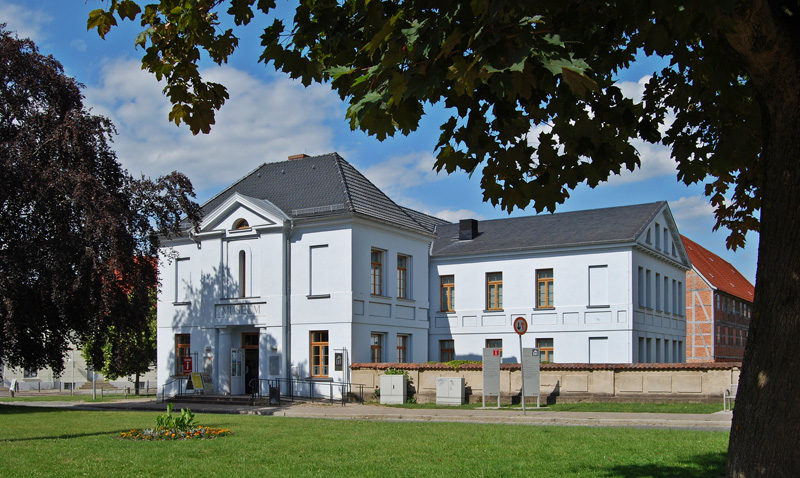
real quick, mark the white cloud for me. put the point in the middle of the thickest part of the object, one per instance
(457, 215)
(400, 173)
(693, 214)
(655, 159)
(633, 89)
(26, 22)
(260, 122)
(78, 45)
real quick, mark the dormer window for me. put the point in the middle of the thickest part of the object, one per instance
(241, 224)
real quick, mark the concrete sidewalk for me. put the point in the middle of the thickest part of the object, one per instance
(720, 421)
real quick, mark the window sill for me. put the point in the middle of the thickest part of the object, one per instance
(598, 306)
(321, 379)
(489, 311)
(241, 300)
(186, 303)
(544, 308)
(318, 296)
(406, 299)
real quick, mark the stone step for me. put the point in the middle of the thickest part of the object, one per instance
(213, 399)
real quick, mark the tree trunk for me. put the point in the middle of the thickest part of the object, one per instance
(766, 420)
(136, 385)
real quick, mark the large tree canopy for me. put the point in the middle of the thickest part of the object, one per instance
(76, 230)
(505, 67)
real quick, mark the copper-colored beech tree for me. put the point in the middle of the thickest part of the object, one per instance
(78, 234)
(502, 67)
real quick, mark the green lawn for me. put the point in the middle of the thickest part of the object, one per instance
(57, 442)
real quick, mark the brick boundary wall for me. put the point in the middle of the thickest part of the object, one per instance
(691, 382)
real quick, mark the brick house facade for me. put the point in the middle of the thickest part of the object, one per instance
(719, 303)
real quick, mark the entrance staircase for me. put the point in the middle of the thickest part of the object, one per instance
(234, 400)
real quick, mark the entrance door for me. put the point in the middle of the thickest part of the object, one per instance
(250, 371)
(237, 372)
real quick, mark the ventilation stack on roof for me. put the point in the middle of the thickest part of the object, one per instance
(298, 156)
(467, 229)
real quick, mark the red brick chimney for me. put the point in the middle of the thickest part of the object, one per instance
(298, 156)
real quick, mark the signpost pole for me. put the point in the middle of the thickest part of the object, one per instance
(520, 327)
(522, 367)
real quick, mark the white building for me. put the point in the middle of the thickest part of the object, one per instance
(303, 267)
(597, 286)
(298, 268)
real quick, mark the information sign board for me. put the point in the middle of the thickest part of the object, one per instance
(491, 372)
(530, 370)
(208, 386)
(196, 381)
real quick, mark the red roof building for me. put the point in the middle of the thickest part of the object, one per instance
(719, 301)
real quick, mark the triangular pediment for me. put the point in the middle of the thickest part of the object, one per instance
(239, 209)
(661, 237)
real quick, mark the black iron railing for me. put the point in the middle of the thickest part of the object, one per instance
(181, 386)
(304, 388)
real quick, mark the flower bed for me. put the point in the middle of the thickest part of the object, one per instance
(193, 433)
(182, 427)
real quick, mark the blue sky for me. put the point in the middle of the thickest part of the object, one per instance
(270, 117)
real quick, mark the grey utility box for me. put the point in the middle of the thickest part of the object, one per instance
(393, 389)
(450, 391)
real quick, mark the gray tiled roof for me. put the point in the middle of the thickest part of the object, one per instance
(592, 227)
(427, 221)
(319, 186)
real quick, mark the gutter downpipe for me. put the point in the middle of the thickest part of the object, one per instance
(287, 295)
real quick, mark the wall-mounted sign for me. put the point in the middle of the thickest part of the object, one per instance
(338, 361)
(222, 311)
(187, 363)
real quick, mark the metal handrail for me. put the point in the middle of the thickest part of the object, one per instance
(294, 387)
(180, 381)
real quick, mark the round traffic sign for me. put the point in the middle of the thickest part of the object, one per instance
(520, 325)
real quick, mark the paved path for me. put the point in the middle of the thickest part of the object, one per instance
(720, 421)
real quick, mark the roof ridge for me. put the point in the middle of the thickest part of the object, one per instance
(425, 214)
(400, 208)
(343, 178)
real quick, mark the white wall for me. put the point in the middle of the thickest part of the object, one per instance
(570, 323)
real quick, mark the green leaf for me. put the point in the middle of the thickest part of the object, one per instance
(336, 71)
(128, 9)
(102, 21)
(580, 84)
